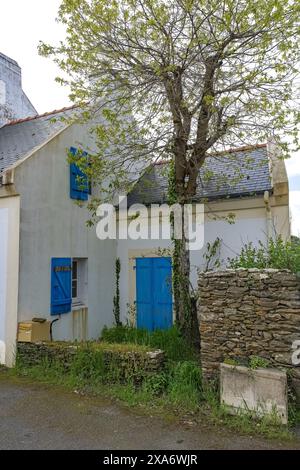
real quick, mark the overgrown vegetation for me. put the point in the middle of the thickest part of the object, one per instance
(170, 341)
(212, 255)
(257, 362)
(177, 391)
(184, 298)
(253, 362)
(116, 299)
(276, 253)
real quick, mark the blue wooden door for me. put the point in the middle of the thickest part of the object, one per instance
(154, 293)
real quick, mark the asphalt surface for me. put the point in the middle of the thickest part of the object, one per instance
(37, 416)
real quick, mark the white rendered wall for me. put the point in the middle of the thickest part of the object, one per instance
(250, 225)
(3, 279)
(53, 225)
(9, 270)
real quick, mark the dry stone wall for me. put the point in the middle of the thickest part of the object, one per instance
(119, 364)
(248, 312)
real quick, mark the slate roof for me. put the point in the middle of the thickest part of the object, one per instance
(238, 172)
(21, 137)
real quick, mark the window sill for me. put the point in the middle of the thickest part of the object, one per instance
(78, 306)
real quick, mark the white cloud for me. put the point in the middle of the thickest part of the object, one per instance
(295, 211)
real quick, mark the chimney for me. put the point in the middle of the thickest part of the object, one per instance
(14, 104)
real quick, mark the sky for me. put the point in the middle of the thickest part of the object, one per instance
(23, 23)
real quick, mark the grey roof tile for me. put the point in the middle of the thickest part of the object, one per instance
(19, 138)
(242, 172)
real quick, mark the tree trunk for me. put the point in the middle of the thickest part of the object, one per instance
(185, 304)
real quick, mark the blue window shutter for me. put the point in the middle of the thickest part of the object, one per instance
(85, 154)
(61, 283)
(79, 185)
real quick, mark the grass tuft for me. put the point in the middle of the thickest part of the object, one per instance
(170, 341)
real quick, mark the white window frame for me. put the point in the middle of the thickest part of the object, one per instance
(81, 282)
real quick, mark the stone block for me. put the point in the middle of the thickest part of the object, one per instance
(263, 391)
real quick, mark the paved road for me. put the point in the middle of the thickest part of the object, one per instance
(36, 416)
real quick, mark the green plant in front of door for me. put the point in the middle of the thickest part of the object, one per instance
(116, 299)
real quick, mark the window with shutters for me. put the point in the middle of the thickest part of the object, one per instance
(80, 186)
(68, 284)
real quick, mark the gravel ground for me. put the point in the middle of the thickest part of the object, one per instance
(38, 416)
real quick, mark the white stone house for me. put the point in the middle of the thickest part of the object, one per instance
(44, 241)
(51, 264)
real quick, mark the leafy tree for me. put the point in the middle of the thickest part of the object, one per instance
(180, 79)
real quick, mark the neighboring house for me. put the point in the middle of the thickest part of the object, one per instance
(51, 263)
(14, 103)
(250, 182)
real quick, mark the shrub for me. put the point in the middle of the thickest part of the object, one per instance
(185, 385)
(256, 362)
(276, 254)
(170, 341)
(156, 384)
(88, 365)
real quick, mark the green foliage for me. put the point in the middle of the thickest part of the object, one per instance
(183, 304)
(116, 299)
(176, 392)
(88, 365)
(185, 385)
(187, 80)
(212, 254)
(256, 362)
(294, 414)
(156, 384)
(185, 297)
(170, 341)
(253, 362)
(230, 361)
(172, 192)
(276, 253)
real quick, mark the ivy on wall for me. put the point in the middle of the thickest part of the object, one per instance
(180, 291)
(116, 300)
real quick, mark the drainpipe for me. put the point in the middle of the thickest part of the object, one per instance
(51, 325)
(269, 215)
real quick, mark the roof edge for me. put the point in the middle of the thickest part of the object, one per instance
(9, 59)
(37, 116)
(32, 152)
(244, 148)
